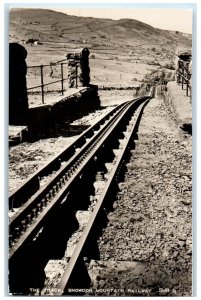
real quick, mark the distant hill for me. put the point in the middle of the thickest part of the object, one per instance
(51, 26)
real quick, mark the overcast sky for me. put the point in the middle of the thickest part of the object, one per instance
(171, 19)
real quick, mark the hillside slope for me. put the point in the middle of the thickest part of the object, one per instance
(122, 52)
(51, 26)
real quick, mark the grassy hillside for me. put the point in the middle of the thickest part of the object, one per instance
(122, 51)
(51, 26)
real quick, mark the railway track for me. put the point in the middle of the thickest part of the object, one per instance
(50, 210)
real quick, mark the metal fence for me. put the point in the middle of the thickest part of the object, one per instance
(43, 76)
(184, 76)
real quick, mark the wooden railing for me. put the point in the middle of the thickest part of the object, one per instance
(183, 77)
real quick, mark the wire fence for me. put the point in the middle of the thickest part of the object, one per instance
(43, 79)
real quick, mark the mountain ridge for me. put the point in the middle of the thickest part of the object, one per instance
(49, 25)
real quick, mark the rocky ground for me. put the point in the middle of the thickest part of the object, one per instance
(146, 248)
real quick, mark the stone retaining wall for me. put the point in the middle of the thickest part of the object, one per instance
(179, 105)
(69, 108)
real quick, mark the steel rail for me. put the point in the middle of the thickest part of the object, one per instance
(78, 252)
(39, 207)
(68, 164)
(32, 184)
